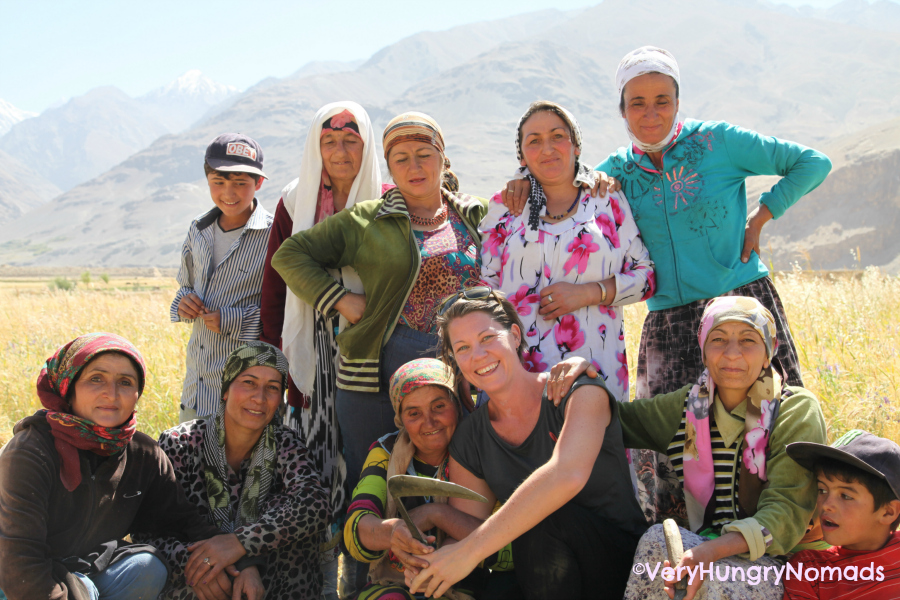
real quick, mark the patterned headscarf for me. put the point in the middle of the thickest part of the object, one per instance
(644, 60)
(343, 121)
(583, 174)
(740, 309)
(415, 374)
(71, 432)
(419, 127)
(263, 457)
(762, 403)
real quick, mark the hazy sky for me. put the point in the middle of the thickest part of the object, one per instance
(53, 50)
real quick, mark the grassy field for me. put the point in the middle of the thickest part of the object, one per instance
(846, 328)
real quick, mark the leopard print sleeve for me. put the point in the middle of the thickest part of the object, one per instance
(296, 507)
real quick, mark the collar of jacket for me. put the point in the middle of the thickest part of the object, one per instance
(394, 204)
(257, 218)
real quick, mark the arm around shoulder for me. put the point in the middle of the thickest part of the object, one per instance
(652, 422)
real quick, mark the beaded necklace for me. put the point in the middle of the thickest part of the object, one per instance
(438, 218)
(568, 210)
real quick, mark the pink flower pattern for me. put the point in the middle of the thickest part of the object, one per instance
(568, 335)
(570, 252)
(581, 249)
(532, 360)
(608, 227)
(522, 300)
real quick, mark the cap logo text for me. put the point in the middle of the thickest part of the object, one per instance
(238, 149)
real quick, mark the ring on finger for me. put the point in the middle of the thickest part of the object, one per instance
(206, 560)
(550, 298)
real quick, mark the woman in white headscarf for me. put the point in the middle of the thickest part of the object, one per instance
(685, 183)
(339, 167)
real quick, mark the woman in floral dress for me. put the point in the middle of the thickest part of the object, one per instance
(570, 260)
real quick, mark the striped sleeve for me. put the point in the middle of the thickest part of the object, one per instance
(369, 498)
(185, 279)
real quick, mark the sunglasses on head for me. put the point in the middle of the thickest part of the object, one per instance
(475, 293)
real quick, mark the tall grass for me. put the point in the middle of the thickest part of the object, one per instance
(847, 332)
(33, 324)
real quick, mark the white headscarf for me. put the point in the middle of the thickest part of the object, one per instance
(648, 59)
(300, 197)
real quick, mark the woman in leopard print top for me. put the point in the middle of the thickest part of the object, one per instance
(252, 478)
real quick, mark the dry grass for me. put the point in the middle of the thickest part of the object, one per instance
(34, 321)
(846, 329)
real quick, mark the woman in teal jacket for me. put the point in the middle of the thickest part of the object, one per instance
(685, 181)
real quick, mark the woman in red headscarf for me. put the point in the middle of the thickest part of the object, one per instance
(77, 477)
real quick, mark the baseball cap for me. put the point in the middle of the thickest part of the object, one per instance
(235, 153)
(861, 449)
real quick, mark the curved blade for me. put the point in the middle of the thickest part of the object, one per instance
(401, 486)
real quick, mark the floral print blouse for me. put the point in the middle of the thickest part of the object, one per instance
(599, 241)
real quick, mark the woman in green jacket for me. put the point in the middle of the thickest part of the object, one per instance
(746, 501)
(412, 247)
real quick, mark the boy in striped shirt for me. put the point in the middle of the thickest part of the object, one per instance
(221, 270)
(859, 503)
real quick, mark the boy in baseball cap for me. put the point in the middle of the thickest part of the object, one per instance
(859, 504)
(221, 270)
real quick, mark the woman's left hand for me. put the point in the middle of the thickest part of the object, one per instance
(563, 375)
(755, 222)
(210, 556)
(704, 554)
(248, 584)
(445, 567)
(562, 298)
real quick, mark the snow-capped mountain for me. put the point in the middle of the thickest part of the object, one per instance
(180, 103)
(10, 115)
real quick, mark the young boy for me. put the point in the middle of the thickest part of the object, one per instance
(859, 503)
(221, 270)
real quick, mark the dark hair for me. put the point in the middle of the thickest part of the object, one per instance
(70, 393)
(881, 492)
(228, 174)
(622, 97)
(496, 306)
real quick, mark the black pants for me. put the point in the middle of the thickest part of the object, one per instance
(574, 553)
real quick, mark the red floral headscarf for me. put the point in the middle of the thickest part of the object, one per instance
(70, 432)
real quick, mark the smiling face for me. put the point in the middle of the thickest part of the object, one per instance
(735, 355)
(252, 398)
(430, 417)
(484, 351)
(416, 169)
(650, 106)
(548, 149)
(848, 514)
(106, 391)
(233, 196)
(342, 153)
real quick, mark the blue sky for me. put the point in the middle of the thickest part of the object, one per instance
(51, 50)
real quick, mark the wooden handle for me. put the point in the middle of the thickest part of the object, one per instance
(675, 548)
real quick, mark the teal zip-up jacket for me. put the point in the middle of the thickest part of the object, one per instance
(692, 214)
(375, 238)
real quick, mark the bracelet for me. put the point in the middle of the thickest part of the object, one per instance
(602, 292)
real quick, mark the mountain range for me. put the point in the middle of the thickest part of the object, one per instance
(770, 68)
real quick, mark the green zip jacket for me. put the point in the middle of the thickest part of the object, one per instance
(785, 506)
(374, 237)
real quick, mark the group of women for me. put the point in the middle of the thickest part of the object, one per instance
(364, 283)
